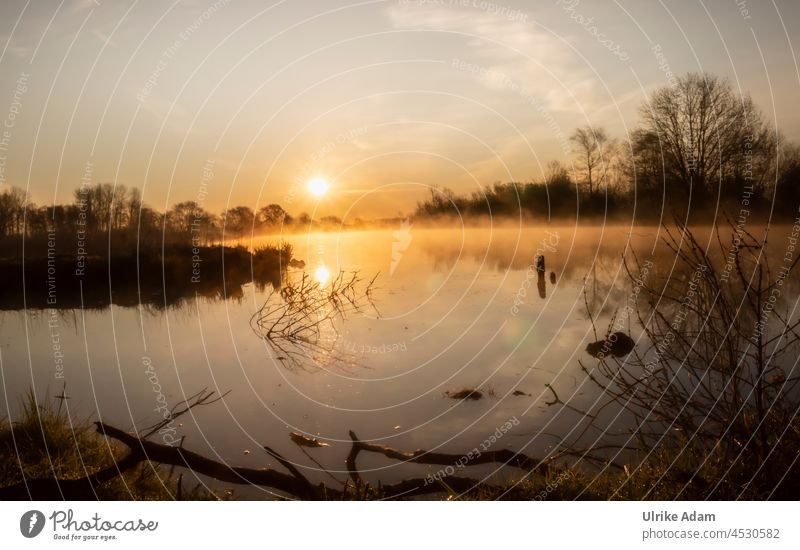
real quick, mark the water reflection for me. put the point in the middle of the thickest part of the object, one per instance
(447, 321)
(168, 280)
(322, 274)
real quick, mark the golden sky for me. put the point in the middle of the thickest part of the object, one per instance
(241, 102)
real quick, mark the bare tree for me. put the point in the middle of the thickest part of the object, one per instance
(133, 206)
(119, 207)
(556, 173)
(594, 153)
(103, 198)
(707, 134)
(12, 209)
(182, 215)
(646, 168)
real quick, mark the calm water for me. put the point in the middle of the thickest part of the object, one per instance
(457, 308)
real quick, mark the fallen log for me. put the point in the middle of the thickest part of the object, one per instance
(503, 456)
(293, 484)
(177, 456)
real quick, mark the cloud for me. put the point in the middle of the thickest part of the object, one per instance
(104, 38)
(11, 46)
(509, 51)
(161, 108)
(83, 5)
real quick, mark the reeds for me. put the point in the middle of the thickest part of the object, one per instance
(709, 396)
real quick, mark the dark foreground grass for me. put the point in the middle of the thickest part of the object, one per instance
(660, 477)
(46, 443)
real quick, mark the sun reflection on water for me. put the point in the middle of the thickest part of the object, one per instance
(322, 274)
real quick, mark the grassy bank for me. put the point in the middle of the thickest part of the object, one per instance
(46, 443)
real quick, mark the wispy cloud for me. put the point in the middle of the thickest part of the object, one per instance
(539, 62)
(14, 48)
(83, 5)
(161, 108)
(104, 38)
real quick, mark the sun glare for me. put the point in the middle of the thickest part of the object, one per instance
(318, 187)
(321, 275)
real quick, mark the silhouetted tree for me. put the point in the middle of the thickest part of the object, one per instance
(238, 220)
(134, 205)
(304, 220)
(556, 174)
(182, 215)
(62, 217)
(594, 151)
(149, 225)
(646, 170)
(102, 198)
(96, 203)
(331, 221)
(706, 135)
(273, 215)
(442, 201)
(205, 229)
(12, 211)
(120, 208)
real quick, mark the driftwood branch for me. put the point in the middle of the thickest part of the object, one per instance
(307, 489)
(293, 484)
(504, 456)
(201, 398)
(166, 454)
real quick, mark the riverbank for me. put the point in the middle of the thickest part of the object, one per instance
(123, 277)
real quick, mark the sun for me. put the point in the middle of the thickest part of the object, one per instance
(318, 186)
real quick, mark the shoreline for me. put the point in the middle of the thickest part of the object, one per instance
(59, 281)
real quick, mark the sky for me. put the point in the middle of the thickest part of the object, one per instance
(230, 102)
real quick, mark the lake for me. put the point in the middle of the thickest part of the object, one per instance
(453, 308)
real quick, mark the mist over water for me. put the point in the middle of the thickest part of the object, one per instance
(454, 309)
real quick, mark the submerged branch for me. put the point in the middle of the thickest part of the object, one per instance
(505, 456)
(299, 321)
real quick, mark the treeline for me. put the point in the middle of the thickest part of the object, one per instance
(104, 208)
(107, 247)
(700, 146)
